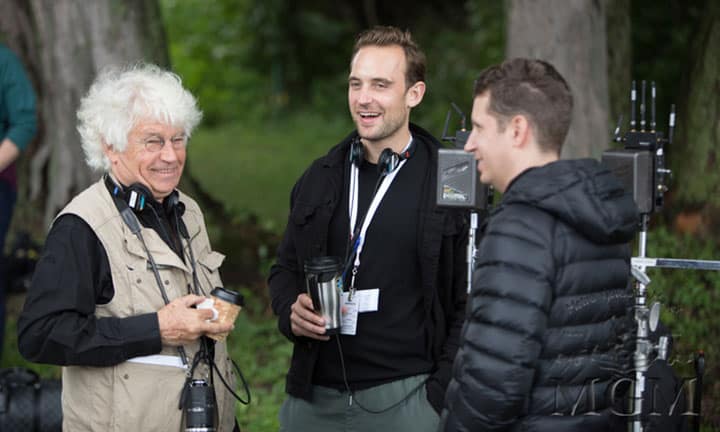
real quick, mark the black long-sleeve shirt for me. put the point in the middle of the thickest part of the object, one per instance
(391, 342)
(58, 323)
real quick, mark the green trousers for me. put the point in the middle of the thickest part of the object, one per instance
(334, 411)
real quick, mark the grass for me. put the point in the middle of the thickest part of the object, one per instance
(263, 355)
(252, 170)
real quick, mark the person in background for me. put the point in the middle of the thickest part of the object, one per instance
(18, 125)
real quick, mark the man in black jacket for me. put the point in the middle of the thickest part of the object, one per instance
(404, 260)
(550, 312)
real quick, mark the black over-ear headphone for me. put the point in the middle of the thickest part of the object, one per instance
(388, 160)
(137, 195)
(357, 152)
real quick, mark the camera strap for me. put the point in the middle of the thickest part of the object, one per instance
(357, 234)
(134, 225)
(182, 230)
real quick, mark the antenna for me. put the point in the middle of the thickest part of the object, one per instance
(652, 106)
(461, 113)
(444, 135)
(633, 100)
(461, 135)
(616, 133)
(642, 107)
(671, 124)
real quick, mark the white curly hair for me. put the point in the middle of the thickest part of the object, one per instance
(121, 97)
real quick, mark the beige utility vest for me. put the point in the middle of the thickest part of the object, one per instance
(137, 395)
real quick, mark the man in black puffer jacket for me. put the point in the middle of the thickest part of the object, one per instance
(549, 318)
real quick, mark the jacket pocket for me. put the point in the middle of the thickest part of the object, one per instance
(302, 213)
(310, 224)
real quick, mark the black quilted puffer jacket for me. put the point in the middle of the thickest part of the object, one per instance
(549, 320)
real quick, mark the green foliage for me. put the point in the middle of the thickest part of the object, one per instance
(700, 131)
(455, 58)
(263, 355)
(691, 300)
(661, 56)
(257, 60)
(210, 50)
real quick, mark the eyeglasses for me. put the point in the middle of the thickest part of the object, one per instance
(155, 143)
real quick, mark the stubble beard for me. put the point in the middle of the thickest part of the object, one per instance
(386, 130)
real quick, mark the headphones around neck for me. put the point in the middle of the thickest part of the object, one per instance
(137, 196)
(388, 160)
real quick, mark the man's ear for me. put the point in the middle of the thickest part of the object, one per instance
(110, 152)
(520, 130)
(414, 95)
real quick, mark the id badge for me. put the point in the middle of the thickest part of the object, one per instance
(362, 301)
(350, 316)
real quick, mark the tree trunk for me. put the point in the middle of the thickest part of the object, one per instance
(571, 36)
(66, 43)
(619, 48)
(699, 121)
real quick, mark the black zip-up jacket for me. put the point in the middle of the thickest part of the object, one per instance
(550, 313)
(442, 240)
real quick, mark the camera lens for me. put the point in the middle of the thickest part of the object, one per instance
(200, 407)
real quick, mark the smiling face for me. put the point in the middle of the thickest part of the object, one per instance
(378, 96)
(490, 145)
(160, 170)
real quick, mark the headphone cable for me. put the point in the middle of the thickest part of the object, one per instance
(182, 230)
(352, 393)
(161, 225)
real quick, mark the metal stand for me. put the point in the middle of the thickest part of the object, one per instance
(647, 318)
(641, 167)
(699, 372)
(643, 347)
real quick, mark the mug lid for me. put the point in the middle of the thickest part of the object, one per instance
(323, 264)
(228, 295)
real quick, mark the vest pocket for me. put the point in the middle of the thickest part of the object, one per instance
(146, 397)
(210, 270)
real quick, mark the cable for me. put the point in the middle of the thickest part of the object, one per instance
(182, 230)
(242, 379)
(352, 393)
(161, 224)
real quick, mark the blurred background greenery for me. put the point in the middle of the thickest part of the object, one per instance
(271, 78)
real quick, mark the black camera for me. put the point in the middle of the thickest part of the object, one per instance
(200, 406)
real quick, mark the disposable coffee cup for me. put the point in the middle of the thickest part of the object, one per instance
(228, 304)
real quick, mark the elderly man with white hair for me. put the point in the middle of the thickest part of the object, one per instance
(113, 296)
